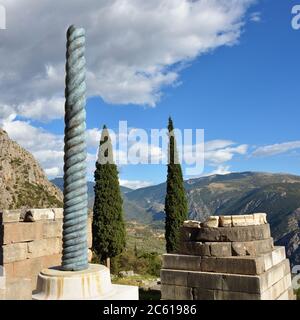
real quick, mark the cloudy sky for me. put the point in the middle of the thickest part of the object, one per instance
(229, 67)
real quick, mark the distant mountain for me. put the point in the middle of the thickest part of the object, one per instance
(237, 193)
(23, 183)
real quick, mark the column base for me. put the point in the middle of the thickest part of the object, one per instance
(91, 284)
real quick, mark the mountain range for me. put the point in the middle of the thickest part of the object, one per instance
(278, 195)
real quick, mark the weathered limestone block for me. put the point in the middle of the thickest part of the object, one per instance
(176, 293)
(14, 252)
(206, 294)
(260, 218)
(21, 232)
(277, 289)
(58, 213)
(225, 221)
(239, 234)
(188, 233)
(252, 248)
(247, 265)
(275, 274)
(220, 249)
(194, 248)
(7, 216)
(18, 289)
(40, 214)
(192, 224)
(242, 220)
(181, 262)
(278, 255)
(211, 222)
(222, 281)
(174, 277)
(44, 247)
(234, 265)
(52, 229)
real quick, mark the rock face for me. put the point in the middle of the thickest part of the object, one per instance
(23, 183)
(237, 262)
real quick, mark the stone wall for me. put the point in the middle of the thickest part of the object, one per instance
(227, 258)
(30, 241)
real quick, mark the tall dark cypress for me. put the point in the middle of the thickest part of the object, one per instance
(176, 207)
(108, 222)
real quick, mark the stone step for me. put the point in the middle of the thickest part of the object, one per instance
(247, 265)
(226, 249)
(255, 284)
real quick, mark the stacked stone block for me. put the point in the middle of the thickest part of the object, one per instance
(30, 241)
(227, 258)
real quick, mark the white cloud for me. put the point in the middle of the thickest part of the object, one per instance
(135, 184)
(277, 148)
(53, 172)
(222, 169)
(93, 137)
(132, 47)
(43, 109)
(217, 152)
(255, 17)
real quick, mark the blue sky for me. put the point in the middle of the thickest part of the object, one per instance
(245, 93)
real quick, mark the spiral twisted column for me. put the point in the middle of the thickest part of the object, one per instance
(75, 249)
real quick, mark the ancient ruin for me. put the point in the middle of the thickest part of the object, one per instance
(227, 258)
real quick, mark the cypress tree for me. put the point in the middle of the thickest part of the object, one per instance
(108, 222)
(176, 207)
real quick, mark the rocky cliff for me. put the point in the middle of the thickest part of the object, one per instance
(23, 183)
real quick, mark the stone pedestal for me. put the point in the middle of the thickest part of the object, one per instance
(91, 284)
(227, 258)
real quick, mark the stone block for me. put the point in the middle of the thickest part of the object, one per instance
(211, 222)
(207, 294)
(58, 213)
(40, 214)
(181, 262)
(234, 265)
(194, 248)
(278, 254)
(176, 292)
(275, 274)
(44, 247)
(18, 289)
(260, 218)
(277, 289)
(21, 232)
(174, 277)
(220, 249)
(252, 248)
(225, 221)
(14, 252)
(7, 216)
(192, 224)
(239, 234)
(242, 220)
(52, 229)
(188, 233)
